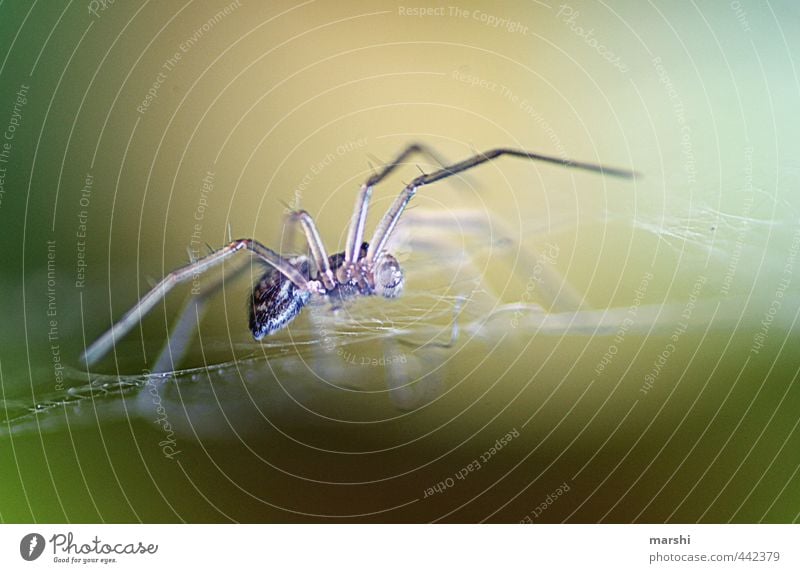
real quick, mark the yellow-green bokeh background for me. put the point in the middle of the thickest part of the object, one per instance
(273, 88)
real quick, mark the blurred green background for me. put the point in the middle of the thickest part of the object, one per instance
(113, 114)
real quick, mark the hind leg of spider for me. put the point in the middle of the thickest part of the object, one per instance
(188, 323)
(106, 342)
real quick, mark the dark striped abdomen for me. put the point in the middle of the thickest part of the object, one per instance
(275, 302)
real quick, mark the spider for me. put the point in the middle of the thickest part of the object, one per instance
(362, 269)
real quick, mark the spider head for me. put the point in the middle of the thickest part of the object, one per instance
(389, 278)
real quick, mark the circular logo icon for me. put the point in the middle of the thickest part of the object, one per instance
(31, 546)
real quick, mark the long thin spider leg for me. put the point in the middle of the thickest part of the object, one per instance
(185, 327)
(102, 345)
(555, 291)
(287, 236)
(318, 252)
(355, 234)
(389, 221)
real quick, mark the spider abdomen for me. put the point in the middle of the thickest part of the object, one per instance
(275, 302)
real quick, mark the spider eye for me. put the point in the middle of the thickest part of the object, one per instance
(388, 277)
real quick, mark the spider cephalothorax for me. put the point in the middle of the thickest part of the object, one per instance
(362, 269)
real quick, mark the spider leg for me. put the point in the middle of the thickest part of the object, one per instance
(318, 252)
(183, 329)
(428, 231)
(102, 345)
(389, 221)
(355, 234)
